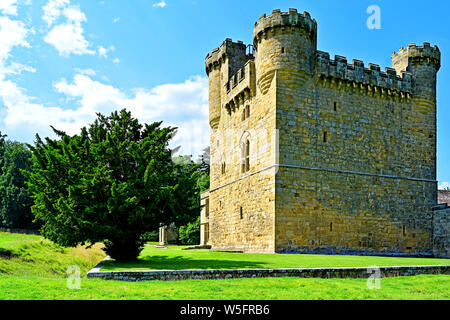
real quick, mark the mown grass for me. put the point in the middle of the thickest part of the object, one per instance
(32, 268)
(31, 255)
(417, 287)
(174, 258)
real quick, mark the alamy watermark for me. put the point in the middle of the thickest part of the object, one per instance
(374, 20)
(74, 277)
(374, 280)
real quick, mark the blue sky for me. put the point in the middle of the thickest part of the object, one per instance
(63, 60)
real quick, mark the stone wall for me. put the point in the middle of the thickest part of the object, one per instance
(441, 232)
(168, 275)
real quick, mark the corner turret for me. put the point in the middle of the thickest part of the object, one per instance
(424, 63)
(221, 64)
(285, 42)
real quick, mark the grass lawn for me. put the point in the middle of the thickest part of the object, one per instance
(174, 258)
(31, 255)
(32, 268)
(418, 287)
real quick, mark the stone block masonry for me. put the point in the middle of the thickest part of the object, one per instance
(317, 155)
(215, 274)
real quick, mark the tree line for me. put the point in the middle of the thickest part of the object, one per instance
(115, 182)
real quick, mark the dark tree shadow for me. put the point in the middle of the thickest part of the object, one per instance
(180, 263)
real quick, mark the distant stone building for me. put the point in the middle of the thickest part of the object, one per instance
(316, 155)
(444, 196)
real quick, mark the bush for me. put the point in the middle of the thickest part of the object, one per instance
(151, 236)
(190, 233)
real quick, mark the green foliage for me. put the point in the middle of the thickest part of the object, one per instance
(112, 183)
(15, 197)
(203, 182)
(190, 233)
(151, 236)
(204, 161)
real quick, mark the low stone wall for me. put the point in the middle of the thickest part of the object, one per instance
(441, 232)
(363, 272)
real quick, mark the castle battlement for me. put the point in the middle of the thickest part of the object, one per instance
(356, 73)
(280, 19)
(240, 86)
(418, 54)
(228, 48)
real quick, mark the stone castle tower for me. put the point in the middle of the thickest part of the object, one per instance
(312, 154)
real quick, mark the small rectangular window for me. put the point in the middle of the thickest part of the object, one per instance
(282, 50)
(331, 226)
(335, 106)
(325, 137)
(404, 230)
(241, 213)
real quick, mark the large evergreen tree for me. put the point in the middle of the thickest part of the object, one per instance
(112, 183)
(15, 197)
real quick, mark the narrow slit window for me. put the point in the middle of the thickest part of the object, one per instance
(247, 156)
(325, 137)
(282, 50)
(335, 106)
(404, 230)
(223, 167)
(241, 213)
(331, 226)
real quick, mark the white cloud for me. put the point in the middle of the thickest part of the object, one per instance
(8, 7)
(15, 68)
(87, 72)
(103, 52)
(116, 60)
(67, 37)
(184, 105)
(160, 4)
(12, 33)
(444, 186)
(116, 20)
(53, 10)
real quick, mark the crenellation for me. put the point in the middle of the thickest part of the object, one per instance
(356, 72)
(280, 19)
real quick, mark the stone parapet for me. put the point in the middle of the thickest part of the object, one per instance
(357, 74)
(280, 19)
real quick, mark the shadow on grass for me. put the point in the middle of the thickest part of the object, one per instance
(178, 263)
